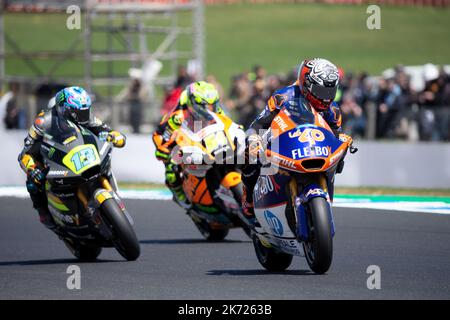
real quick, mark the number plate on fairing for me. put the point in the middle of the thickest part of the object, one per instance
(82, 158)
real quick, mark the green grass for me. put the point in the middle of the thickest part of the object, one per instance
(276, 36)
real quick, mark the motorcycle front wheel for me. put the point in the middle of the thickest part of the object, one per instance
(125, 240)
(319, 249)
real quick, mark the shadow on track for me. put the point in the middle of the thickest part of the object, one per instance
(50, 262)
(189, 241)
(258, 272)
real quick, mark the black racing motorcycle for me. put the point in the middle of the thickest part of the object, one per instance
(81, 192)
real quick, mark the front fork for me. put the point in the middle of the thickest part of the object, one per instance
(300, 201)
(106, 188)
(101, 195)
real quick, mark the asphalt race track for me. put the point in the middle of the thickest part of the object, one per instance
(411, 249)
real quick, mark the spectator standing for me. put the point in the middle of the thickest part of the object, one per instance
(14, 115)
(136, 105)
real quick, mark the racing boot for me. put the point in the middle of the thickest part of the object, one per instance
(47, 220)
(40, 203)
(248, 210)
(179, 196)
(173, 182)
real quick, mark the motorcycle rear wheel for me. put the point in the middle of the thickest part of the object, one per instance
(210, 234)
(125, 240)
(83, 252)
(270, 258)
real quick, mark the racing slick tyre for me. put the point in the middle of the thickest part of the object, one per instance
(83, 252)
(211, 234)
(269, 258)
(125, 239)
(218, 234)
(319, 249)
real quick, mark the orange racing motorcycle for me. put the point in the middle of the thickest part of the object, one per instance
(208, 146)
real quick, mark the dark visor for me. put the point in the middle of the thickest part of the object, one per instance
(203, 106)
(80, 116)
(323, 93)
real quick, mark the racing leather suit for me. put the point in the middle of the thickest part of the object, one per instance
(30, 157)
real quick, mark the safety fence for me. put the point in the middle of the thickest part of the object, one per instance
(387, 164)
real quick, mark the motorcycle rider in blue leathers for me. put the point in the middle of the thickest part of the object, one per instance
(317, 83)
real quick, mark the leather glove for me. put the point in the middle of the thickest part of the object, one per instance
(116, 138)
(255, 145)
(346, 138)
(37, 176)
(162, 153)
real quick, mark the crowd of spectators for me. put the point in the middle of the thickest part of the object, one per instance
(391, 106)
(395, 108)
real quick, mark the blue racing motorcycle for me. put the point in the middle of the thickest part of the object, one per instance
(294, 192)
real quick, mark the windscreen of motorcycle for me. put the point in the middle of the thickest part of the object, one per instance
(299, 111)
(198, 121)
(61, 130)
(210, 132)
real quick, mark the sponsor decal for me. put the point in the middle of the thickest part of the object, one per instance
(316, 191)
(58, 173)
(310, 152)
(64, 195)
(280, 122)
(290, 246)
(284, 162)
(65, 218)
(274, 223)
(51, 151)
(266, 185)
(308, 135)
(336, 156)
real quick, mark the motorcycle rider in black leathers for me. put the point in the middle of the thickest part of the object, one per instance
(71, 104)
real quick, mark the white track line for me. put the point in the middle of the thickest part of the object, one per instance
(161, 194)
